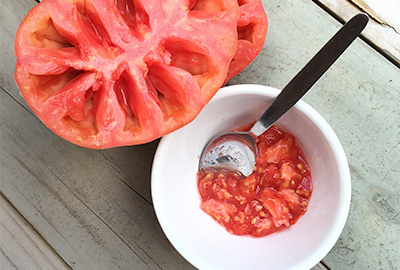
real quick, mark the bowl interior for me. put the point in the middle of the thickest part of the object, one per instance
(205, 243)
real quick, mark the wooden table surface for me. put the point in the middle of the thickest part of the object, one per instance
(66, 207)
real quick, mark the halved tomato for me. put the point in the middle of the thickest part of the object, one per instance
(107, 73)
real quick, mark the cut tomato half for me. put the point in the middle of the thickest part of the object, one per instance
(108, 73)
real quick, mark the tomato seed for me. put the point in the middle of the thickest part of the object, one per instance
(300, 166)
(254, 220)
(227, 195)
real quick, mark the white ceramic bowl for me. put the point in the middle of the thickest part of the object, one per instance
(204, 242)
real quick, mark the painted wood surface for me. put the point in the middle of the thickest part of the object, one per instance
(93, 208)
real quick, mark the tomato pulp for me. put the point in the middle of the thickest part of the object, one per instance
(272, 198)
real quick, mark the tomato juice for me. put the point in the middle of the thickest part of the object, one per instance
(272, 198)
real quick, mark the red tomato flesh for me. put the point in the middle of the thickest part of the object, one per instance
(272, 198)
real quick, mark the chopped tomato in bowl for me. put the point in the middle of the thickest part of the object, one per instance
(179, 197)
(272, 198)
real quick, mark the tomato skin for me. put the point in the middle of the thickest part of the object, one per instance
(102, 74)
(272, 198)
(252, 29)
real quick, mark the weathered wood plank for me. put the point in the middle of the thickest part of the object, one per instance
(21, 246)
(384, 28)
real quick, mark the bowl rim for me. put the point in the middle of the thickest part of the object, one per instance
(338, 152)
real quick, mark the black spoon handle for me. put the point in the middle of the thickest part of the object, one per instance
(314, 69)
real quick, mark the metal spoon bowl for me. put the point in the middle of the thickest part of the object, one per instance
(236, 151)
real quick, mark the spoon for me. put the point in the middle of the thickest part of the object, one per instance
(236, 151)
